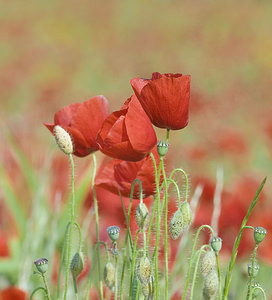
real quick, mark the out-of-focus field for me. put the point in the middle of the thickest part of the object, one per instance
(54, 53)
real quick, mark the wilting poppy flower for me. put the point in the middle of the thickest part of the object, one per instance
(12, 293)
(123, 173)
(127, 134)
(165, 99)
(82, 121)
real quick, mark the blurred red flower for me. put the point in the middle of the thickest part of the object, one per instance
(165, 99)
(82, 121)
(122, 174)
(4, 247)
(12, 293)
(127, 134)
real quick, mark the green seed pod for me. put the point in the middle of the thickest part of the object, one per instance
(176, 225)
(210, 285)
(77, 264)
(142, 216)
(255, 288)
(148, 289)
(113, 232)
(109, 275)
(208, 263)
(259, 234)
(41, 265)
(143, 270)
(255, 270)
(216, 244)
(186, 213)
(162, 147)
(63, 140)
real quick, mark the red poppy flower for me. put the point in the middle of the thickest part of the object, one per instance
(127, 134)
(165, 99)
(82, 121)
(12, 293)
(123, 173)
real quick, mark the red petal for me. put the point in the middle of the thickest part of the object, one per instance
(64, 116)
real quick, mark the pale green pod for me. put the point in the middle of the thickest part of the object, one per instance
(63, 140)
(109, 275)
(143, 270)
(77, 264)
(176, 225)
(208, 263)
(142, 216)
(211, 284)
(148, 289)
(186, 213)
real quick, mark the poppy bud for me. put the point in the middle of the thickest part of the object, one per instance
(41, 265)
(148, 289)
(216, 244)
(143, 270)
(186, 213)
(113, 232)
(254, 287)
(142, 216)
(176, 225)
(109, 275)
(210, 285)
(253, 271)
(259, 234)
(63, 140)
(77, 264)
(208, 263)
(162, 148)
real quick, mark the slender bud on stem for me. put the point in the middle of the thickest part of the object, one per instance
(176, 225)
(109, 275)
(63, 140)
(186, 213)
(210, 285)
(208, 263)
(143, 270)
(142, 216)
(77, 264)
(148, 289)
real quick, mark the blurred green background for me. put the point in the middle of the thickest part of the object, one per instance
(54, 53)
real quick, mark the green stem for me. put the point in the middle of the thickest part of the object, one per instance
(71, 225)
(133, 262)
(116, 279)
(97, 227)
(191, 259)
(79, 236)
(257, 288)
(75, 287)
(91, 271)
(150, 225)
(252, 269)
(198, 254)
(158, 222)
(36, 290)
(186, 182)
(237, 241)
(46, 287)
(219, 275)
(167, 134)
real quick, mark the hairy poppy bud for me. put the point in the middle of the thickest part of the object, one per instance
(109, 275)
(208, 263)
(176, 225)
(162, 148)
(63, 140)
(77, 264)
(142, 216)
(259, 234)
(41, 265)
(148, 289)
(216, 244)
(113, 232)
(210, 285)
(186, 213)
(143, 270)
(253, 270)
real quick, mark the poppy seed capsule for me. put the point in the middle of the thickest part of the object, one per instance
(255, 289)
(148, 289)
(176, 225)
(142, 216)
(109, 275)
(259, 234)
(210, 284)
(216, 244)
(41, 265)
(253, 271)
(63, 140)
(208, 263)
(77, 264)
(113, 232)
(186, 213)
(162, 147)
(143, 270)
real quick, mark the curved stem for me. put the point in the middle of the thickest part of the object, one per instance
(72, 206)
(158, 222)
(237, 241)
(191, 259)
(257, 288)
(79, 235)
(186, 181)
(36, 290)
(198, 254)
(97, 227)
